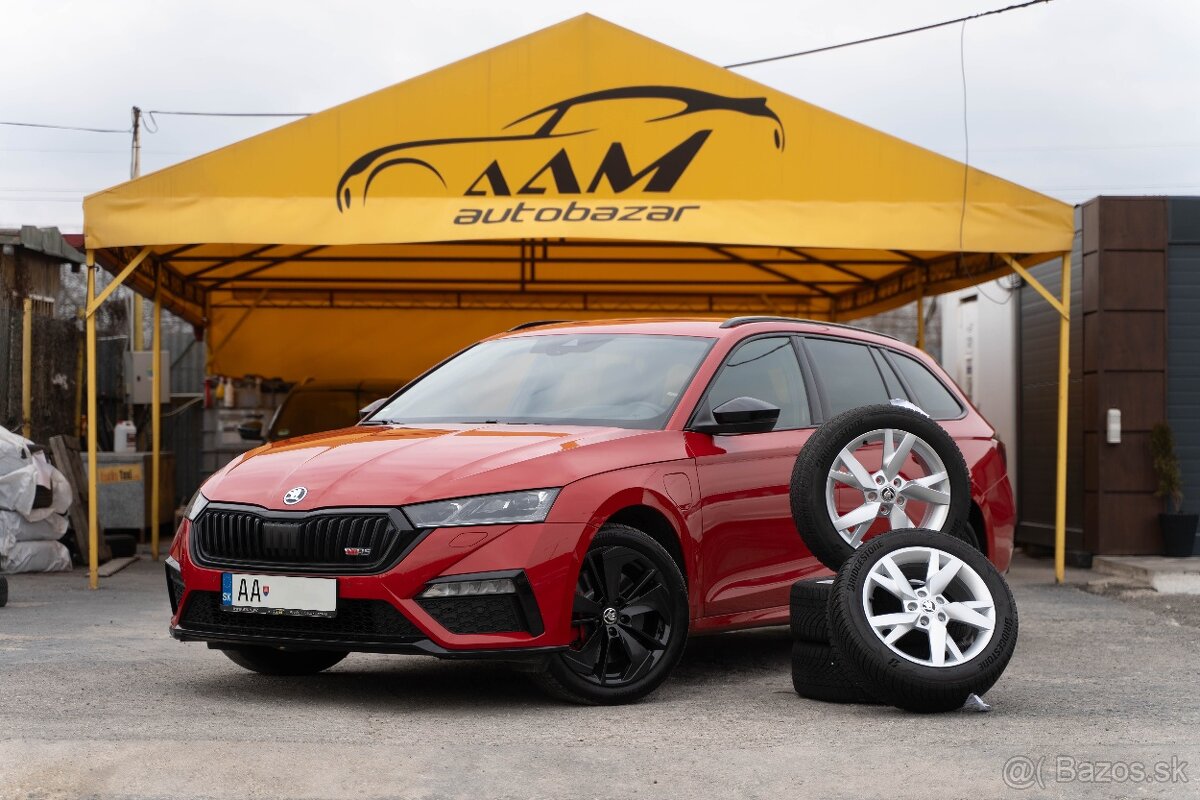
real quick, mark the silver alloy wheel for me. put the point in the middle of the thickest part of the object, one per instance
(940, 596)
(885, 491)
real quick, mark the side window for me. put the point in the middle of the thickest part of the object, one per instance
(766, 369)
(932, 396)
(847, 374)
(894, 388)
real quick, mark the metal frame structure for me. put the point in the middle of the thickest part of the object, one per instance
(812, 282)
(906, 279)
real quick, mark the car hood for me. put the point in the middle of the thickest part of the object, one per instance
(393, 465)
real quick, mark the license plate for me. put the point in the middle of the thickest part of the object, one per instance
(277, 594)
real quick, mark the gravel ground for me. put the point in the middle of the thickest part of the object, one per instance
(97, 701)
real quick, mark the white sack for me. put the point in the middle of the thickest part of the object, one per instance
(36, 557)
(14, 451)
(45, 530)
(17, 488)
(61, 495)
(22, 471)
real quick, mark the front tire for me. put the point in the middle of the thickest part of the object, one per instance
(271, 661)
(631, 615)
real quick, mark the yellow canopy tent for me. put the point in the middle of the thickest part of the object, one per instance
(578, 172)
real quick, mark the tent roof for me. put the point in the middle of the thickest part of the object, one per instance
(582, 169)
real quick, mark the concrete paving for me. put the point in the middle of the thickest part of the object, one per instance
(1162, 574)
(96, 701)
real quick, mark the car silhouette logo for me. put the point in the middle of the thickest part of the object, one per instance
(294, 495)
(355, 183)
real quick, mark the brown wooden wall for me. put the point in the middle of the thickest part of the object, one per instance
(1125, 367)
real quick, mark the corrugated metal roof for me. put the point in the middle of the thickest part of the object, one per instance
(41, 240)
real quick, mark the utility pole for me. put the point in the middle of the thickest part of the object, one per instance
(137, 335)
(135, 160)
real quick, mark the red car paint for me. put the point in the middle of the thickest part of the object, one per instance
(724, 497)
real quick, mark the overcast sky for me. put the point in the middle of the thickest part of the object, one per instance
(1074, 98)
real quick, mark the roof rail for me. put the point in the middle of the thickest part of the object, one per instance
(734, 322)
(537, 323)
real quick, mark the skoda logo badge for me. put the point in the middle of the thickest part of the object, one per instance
(295, 495)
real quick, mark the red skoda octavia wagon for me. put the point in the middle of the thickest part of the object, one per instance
(574, 497)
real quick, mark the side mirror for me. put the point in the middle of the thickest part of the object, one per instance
(741, 415)
(371, 407)
(251, 430)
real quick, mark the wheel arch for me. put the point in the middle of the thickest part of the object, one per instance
(657, 526)
(979, 525)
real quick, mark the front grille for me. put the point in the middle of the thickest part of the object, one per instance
(340, 541)
(500, 613)
(364, 621)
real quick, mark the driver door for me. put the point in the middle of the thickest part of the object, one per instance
(750, 551)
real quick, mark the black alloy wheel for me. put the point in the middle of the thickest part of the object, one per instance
(630, 616)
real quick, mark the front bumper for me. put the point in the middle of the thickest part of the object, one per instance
(418, 647)
(380, 613)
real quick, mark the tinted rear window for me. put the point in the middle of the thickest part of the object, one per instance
(847, 374)
(932, 395)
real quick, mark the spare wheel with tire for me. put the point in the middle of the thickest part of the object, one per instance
(873, 469)
(923, 619)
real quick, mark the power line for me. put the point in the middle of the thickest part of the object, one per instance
(881, 37)
(64, 127)
(247, 113)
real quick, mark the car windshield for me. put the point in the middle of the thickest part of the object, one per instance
(622, 380)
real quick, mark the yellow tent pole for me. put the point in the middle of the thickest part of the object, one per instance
(93, 421)
(27, 370)
(156, 415)
(1046, 294)
(1064, 374)
(94, 303)
(139, 335)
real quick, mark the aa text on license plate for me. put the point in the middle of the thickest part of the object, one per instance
(278, 594)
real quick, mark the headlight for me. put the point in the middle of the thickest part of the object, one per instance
(484, 509)
(195, 506)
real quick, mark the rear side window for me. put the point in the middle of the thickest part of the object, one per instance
(894, 389)
(931, 395)
(847, 374)
(765, 369)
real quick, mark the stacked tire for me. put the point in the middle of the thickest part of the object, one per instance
(816, 671)
(917, 617)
